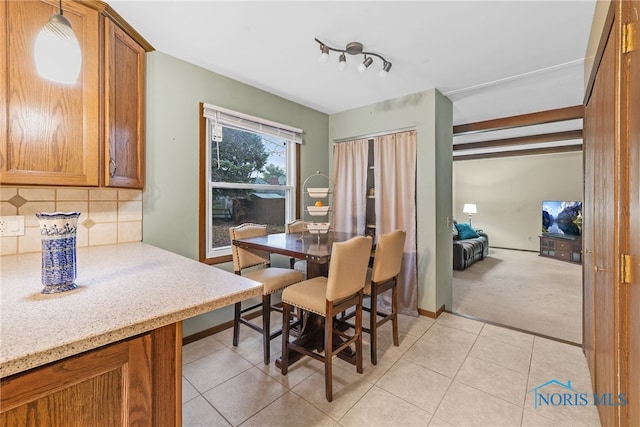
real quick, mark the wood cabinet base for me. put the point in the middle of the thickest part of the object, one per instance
(132, 382)
(562, 249)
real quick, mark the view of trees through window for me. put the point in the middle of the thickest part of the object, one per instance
(248, 182)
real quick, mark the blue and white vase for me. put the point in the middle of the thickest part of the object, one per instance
(58, 233)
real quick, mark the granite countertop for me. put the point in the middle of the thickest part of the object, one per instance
(123, 290)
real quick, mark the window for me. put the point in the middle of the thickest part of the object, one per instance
(249, 173)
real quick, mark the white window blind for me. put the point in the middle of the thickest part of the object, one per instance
(221, 116)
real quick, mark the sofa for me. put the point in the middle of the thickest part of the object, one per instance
(467, 250)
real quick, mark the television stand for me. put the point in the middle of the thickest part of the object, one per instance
(561, 248)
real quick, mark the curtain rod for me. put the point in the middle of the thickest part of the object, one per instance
(373, 135)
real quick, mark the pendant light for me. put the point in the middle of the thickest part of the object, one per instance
(57, 51)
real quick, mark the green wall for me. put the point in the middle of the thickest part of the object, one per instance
(430, 113)
(170, 199)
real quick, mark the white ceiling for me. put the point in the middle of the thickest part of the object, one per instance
(491, 58)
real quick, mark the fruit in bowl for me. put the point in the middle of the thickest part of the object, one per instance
(319, 204)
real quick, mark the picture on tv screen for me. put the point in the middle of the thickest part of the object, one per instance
(562, 218)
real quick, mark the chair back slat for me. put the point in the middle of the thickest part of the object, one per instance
(296, 226)
(245, 258)
(348, 268)
(388, 258)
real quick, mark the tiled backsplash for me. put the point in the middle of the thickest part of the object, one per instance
(108, 215)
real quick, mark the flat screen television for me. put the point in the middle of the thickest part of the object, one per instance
(561, 218)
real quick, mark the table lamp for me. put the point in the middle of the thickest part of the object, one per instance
(469, 208)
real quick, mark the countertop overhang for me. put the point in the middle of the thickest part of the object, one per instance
(123, 290)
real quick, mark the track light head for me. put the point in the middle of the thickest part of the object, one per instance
(324, 55)
(365, 64)
(385, 69)
(342, 65)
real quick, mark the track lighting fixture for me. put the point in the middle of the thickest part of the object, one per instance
(354, 48)
(57, 51)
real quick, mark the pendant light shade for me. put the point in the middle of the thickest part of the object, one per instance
(57, 51)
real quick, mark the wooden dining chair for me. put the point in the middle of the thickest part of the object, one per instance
(273, 279)
(326, 297)
(297, 226)
(383, 276)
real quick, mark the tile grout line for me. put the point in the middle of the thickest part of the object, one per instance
(453, 378)
(374, 384)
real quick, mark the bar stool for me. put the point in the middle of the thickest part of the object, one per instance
(273, 279)
(297, 226)
(383, 276)
(327, 297)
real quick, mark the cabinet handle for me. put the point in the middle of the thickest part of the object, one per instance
(112, 168)
(597, 269)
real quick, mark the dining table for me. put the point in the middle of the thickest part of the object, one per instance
(316, 249)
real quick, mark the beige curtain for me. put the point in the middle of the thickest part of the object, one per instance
(350, 185)
(395, 182)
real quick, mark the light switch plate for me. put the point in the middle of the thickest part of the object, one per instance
(12, 225)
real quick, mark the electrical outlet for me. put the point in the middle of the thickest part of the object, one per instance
(12, 225)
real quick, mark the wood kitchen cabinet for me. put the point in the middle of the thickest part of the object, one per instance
(124, 109)
(49, 132)
(86, 134)
(131, 382)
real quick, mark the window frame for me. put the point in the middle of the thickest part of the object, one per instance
(211, 255)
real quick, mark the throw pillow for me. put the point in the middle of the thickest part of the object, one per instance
(455, 230)
(465, 231)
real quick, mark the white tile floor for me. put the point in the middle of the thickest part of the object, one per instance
(447, 372)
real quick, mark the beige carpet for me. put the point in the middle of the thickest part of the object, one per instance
(524, 291)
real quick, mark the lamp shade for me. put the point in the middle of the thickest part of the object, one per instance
(469, 208)
(57, 51)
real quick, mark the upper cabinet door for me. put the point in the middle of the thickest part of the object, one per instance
(124, 109)
(49, 132)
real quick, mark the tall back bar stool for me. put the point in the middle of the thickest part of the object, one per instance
(273, 279)
(297, 226)
(383, 276)
(327, 297)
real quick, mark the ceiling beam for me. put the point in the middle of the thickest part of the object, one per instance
(521, 140)
(527, 152)
(542, 117)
